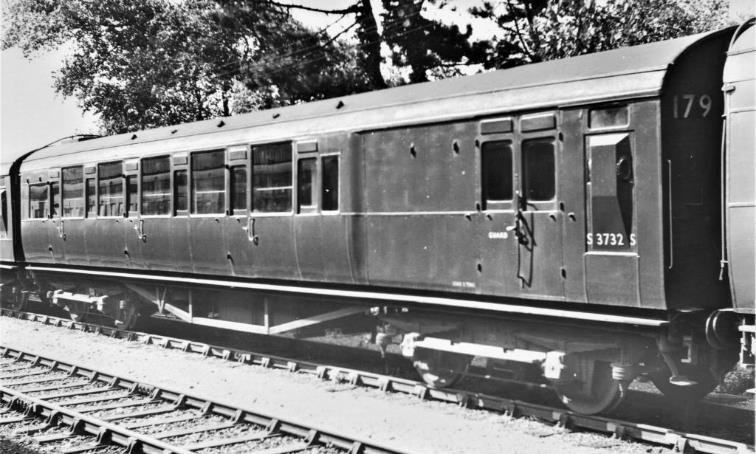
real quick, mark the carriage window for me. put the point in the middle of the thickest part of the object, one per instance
(156, 186)
(39, 198)
(608, 117)
(132, 193)
(3, 215)
(73, 192)
(208, 182)
(538, 169)
(238, 188)
(610, 186)
(91, 197)
(110, 178)
(496, 160)
(330, 193)
(55, 191)
(271, 178)
(180, 187)
(306, 171)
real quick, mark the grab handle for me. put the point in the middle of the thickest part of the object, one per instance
(251, 233)
(669, 214)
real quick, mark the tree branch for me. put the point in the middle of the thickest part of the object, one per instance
(352, 9)
(333, 38)
(523, 44)
(532, 31)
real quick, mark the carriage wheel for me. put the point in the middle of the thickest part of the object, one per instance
(440, 369)
(78, 312)
(704, 383)
(127, 318)
(16, 301)
(590, 389)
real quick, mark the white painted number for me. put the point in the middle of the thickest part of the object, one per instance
(705, 102)
(608, 239)
(685, 106)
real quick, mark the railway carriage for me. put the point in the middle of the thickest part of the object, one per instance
(563, 217)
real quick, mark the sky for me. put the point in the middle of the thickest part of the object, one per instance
(33, 115)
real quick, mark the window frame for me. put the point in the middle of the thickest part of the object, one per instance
(539, 205)
(521, 137)
(56, 182)
(141, 174)
(498, 205)
(292, 183)
(3, 209)
(87, 179)
(123, 190)
(91, 175)
(632, 249)
(321, 157)
(238, 156)
(191, 189)
(590, 128)
(46, 211)
(132, 170)
(314, 207)
(180, 163)
(83, 192)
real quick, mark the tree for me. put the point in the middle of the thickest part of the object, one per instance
(425, 46)
(536, 30)
(158, 62)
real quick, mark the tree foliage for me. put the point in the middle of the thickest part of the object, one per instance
(158, 62)
(424, 45)
(146, 63)
(537, 30)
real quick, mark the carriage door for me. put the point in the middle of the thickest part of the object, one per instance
(538, 224)
(57, 246)
(133, 224)
(611, 262)
(270, 224)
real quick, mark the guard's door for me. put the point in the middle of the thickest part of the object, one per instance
(498, 239)
(538, 222)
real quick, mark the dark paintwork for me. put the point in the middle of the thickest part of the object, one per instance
(691, 145)
(410, 199)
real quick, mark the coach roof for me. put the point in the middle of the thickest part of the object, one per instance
(618, 74)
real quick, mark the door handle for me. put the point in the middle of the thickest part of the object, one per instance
(139, 228)
(61, 229)
(252, 235)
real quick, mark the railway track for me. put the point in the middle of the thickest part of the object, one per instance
(677, 440)
(74, 409)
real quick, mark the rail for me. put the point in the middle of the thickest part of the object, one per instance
(189, 423)
(680, 441)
